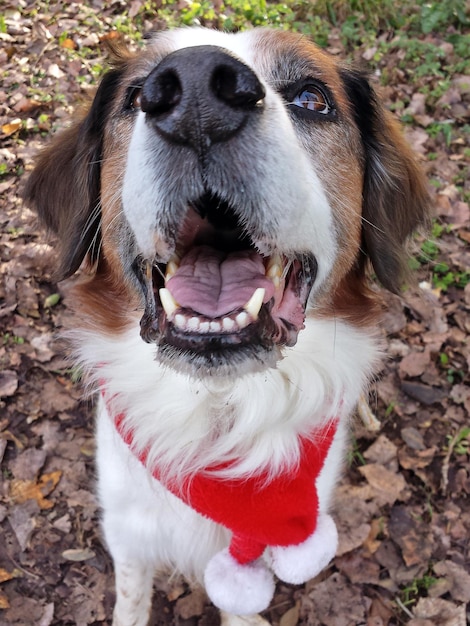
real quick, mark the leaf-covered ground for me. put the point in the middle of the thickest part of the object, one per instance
(403, 506)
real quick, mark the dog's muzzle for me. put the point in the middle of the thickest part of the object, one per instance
(218, 303)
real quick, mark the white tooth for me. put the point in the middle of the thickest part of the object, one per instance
(255, 302)
(215, 327)
(228, 324)
(193, 324)
(169, 304)
(274, 270)
(204, 327)
(242, 319)
(274, 267)
(180, 321)
(172, 267)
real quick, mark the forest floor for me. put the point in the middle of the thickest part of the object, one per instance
(403, 506)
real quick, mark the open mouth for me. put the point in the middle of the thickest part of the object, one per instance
(219, 301)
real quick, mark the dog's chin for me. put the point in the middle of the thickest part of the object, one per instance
(218, 363)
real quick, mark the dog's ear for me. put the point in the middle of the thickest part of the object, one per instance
(395, 196)
(64, 187)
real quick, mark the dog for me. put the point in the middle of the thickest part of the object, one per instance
(226, 198)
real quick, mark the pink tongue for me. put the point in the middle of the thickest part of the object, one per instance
(215, 283)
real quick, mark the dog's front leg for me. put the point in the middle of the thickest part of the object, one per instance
(133, 594)
(128, 523)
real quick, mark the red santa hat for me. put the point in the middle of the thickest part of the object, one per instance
(275, 523)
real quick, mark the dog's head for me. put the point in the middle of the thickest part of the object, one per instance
(221, 185)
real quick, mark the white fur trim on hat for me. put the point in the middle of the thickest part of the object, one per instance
(297, 564)
(238, 589)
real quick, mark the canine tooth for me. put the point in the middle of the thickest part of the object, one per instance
(255, 302)
(215, 327)
(274, 267)
(172, 267)
(169, 304)
(242, 319)
(180, 321)
(228, 324)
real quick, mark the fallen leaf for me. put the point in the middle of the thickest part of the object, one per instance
(4, 604)
(414, 364)
(78, 554)
(413, 438)
(382, 451)
(191, 605)
(416, 459)
(8, 383)
(413, 536)
(358, 569)
(440, 612)
(334, 602)
(27, 465)
(22, 518)
(11, 127)
(387, 485)
(291, 617)
(68, 44)
(23, 490)
(6, 575)
(457, 578)
(423, 393)
(26, 105)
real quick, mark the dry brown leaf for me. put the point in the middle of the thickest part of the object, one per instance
(334, 602)
(291, 617)
(414, 364)
(372, 544)
(440, 612)
(4, 604)
(23, 490)
(78, 554)
(6, 575)
(8, 383)
(387, 485)
(11, 127)
(191, 605)
(382, 451)
(457, 577)
(412, 535)
(68, 43)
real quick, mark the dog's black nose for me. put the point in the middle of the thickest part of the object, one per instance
(200, 95)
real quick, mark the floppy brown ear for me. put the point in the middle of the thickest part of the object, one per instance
(64, 187)
(395, 196)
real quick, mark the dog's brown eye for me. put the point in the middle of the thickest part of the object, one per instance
(313, 99)
(133, 98)
(136, 99)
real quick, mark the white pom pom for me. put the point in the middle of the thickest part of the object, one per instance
(238, 589)
(297, 564)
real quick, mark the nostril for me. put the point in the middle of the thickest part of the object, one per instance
(236, 86)
(161, 92)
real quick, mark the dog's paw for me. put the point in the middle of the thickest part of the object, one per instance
(297, 564)
(238, 589)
